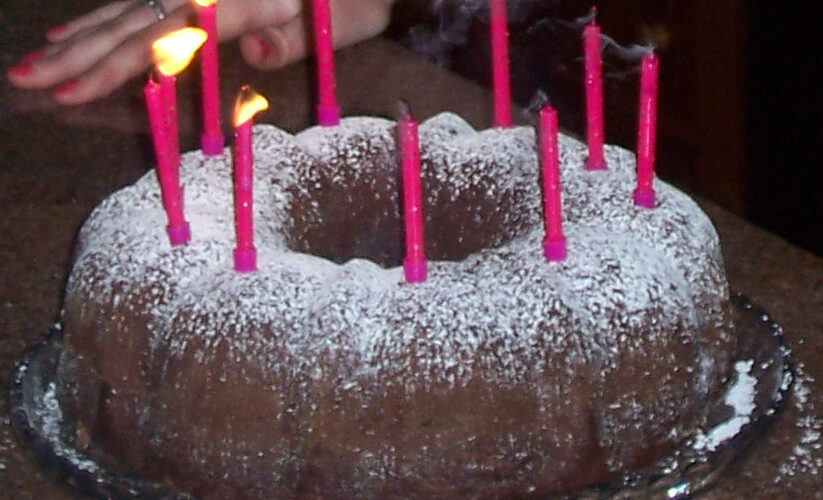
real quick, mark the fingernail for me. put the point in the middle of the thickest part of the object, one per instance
(22, 69)
(264, 46)
(33, 56)
(56, 30)
(66, 87)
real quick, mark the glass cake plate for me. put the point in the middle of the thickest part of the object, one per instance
(760, 384)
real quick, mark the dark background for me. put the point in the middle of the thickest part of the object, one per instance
(739, 119)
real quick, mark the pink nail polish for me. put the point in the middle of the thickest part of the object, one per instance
(56, 30)
(33, 56)
(22, 69)
(66, 87)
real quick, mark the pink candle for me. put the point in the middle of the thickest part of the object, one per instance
(554, 243)
(414, 264)
(328, 112)
(211, 139)
(245, 255)
(168, 92)
(172, 53)
(248, 104)
(177, 229)
(647, 131)
(501, 85)
(594, 96)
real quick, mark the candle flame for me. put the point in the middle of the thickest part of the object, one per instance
(248, 104)
(173, 52)
(205, 3)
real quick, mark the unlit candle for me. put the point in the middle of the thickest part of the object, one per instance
(593, 83)
(414, 264)
(211, 139)
(554, 243)
(328, 112)
(501, 82)
(647, 131)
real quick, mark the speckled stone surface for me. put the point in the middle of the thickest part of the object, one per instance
(56, 164)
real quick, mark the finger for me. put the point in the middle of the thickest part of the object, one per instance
(80, 54)
(122, 63)
(23, 73)
(274, 47)
(93, 18)
(117, 11)
(105, 57)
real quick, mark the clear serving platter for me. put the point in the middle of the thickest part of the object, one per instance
(759, 387)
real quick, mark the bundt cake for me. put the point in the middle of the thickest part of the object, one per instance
(325, 375)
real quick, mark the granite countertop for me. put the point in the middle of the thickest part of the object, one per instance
(58, 163)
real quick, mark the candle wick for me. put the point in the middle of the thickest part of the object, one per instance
(405, 108)
(537, 102)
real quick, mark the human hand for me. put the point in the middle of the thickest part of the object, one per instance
(91, 56)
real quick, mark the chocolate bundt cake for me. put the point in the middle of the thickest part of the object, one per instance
(324, 374)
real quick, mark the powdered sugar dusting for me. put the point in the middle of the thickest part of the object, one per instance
(51, 419)
(740, 398)
(807, 452)
(637, 282)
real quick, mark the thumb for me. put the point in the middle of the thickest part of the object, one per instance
(352, 21)
(275, 46)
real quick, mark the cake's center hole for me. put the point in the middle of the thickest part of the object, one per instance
(350, 214)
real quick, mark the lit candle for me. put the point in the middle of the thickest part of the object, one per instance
(211, 139)
(172, 54)
(168, 93)
(647, 131)
(414, 263)
(554, 243)
(328, 112)
(178, 228)
(501, 85)
(247, 105)
(594, 95)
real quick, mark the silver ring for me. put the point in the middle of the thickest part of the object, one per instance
(158, 8)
